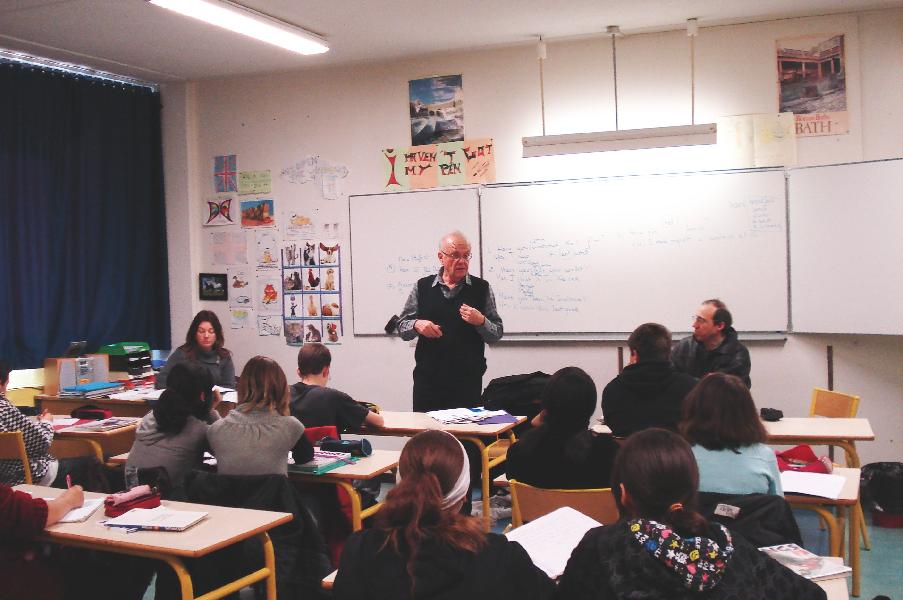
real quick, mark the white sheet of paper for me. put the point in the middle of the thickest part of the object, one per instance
(549, 540)
(64, 421)
(814, 484)
(77, 515)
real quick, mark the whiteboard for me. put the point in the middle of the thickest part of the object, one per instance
(606, 255)
(847, 248)
(395, 241)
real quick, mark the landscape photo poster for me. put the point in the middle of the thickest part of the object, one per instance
(436, 106)
(812, 83)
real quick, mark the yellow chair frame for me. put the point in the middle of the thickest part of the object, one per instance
(12, 447)
(529, 502)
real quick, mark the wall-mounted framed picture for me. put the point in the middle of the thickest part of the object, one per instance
(213, 286)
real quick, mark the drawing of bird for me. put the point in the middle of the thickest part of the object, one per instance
(313, 281)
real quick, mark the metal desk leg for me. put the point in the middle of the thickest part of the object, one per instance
(484, 478)
(854, 546)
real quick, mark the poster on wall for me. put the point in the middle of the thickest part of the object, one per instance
(225, 169)
(266, 249)
(269, 293)
(439, 165)
(258, 212)
(298, 225)
(255, 182)
(268, 325)
(325, 175)
(228, 247)
(239, 317)
(436, 106)
(219, 212)
(312, 293)
(239, 287)
(812, 83)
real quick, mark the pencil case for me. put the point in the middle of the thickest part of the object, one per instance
(802, 458)
(142, 496)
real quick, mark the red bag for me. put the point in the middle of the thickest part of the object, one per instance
(142, 496)
(802, 458)
(90, 411)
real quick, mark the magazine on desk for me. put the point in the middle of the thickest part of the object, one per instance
(804, 563)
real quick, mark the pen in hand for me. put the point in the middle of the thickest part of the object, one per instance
(68, 480)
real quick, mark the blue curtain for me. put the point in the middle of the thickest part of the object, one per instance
(83, 227)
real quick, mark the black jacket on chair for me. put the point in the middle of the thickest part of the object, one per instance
(301, 557)
(764, 519)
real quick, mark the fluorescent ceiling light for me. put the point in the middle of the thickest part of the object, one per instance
(251, 23)
(623, 139)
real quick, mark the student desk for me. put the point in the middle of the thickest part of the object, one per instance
(222, 527)
(847, 503)
(412, 423)
(822, 431)
(114, 441)
(64, 406)
(365, 468)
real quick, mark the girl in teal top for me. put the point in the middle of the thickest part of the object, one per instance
(721, 422)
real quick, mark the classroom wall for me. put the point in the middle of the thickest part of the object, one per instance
(347, 115)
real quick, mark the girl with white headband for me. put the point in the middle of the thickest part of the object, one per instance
(422, 547)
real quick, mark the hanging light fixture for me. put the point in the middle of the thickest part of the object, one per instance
(627, 139)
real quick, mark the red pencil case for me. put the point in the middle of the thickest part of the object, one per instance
(142, 496)
(802, 458)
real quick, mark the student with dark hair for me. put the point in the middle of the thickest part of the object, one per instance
(650, 391)
(422, 547)
(316, 405)
(662, 547)
(721, 422)
(561, 452)
(174, 434)
(256, 437)
(713, 347)
(205, 343)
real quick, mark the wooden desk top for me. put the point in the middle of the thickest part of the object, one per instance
(411, 423)
(849, 494)
(793, 429)
(222, 527)
(100, 435)
(366, 468)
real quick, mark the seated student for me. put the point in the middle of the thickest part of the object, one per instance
(174, 434)
(23, 572)
(422, 547)
(38, 435)
(721, 422)
(204, 342)
(561, 452)
(650, 391)
(661, 547)
(316, 405)
(256, 437)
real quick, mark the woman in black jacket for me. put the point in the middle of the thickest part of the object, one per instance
(422, 547)
(663, 548)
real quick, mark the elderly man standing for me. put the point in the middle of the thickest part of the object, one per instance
(453, 315)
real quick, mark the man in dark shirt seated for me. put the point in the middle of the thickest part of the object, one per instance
(713, 347)
(650, 391)
(316, 405)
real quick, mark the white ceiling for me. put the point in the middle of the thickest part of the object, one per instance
(132, 37)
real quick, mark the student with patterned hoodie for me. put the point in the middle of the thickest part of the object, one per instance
(662, 548)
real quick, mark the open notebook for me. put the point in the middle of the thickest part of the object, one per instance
(77, 515)
(156, 519)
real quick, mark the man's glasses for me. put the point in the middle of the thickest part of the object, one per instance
(457, 255)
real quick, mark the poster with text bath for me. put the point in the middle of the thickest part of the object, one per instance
(812, 83)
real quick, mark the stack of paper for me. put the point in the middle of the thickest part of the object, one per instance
(464, 415)
(814, 484)
(802, 562)
(549, 540)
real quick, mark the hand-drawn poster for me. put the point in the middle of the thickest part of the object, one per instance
(239, 318)
(239, 287)
(757, 140)
(269, 293)
(219, 212)
(269, 325)
(267, 249)
(258, 213)
(255, 182)
(438, 165)
(436, 106)
(812, 83)
(224, 171)
(297, 225)
(228, 247)
(325, 174)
